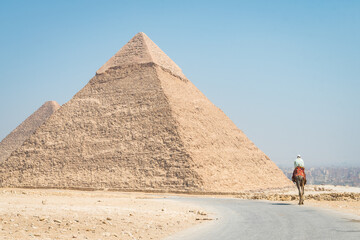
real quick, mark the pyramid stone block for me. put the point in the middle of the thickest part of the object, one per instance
(22, 132)
(140, 125)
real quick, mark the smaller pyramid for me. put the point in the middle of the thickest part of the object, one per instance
(22, 132)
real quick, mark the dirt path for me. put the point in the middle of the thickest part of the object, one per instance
(263, 220)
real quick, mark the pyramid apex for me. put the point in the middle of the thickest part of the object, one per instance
(52, 104)
(141, 49)
(140, 34)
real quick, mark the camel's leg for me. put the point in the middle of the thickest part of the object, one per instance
(302, 191)
(299, 188)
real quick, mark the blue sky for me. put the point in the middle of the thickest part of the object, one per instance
(286, 72)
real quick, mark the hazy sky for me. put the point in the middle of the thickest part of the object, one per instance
(286, 72)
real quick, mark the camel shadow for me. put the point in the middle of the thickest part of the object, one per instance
(281, 204)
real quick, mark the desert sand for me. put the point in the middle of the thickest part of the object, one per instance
(70, 214)
(67, 214)
(339, 198)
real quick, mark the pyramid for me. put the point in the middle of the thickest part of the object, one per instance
(22, 132)
(140, 125)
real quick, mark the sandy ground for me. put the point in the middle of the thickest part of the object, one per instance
(341, 206)
(66, 214)
(339, 198)
(347, 206)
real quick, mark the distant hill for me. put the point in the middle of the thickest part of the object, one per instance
(349, 176)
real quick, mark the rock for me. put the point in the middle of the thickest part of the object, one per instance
(204, 219)
(201, 213)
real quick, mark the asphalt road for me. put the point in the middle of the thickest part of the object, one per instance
(245, 219)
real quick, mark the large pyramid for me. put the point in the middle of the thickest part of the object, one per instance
(140, 124)
(22, 132)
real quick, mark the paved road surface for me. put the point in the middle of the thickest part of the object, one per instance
(245, 219)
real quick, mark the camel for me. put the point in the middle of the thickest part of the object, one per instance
(300, 183)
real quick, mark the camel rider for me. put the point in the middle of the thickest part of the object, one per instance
(299, 162)
(299, 168)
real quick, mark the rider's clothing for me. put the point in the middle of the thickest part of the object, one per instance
(299, 163)
(299, 169)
